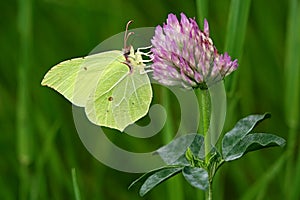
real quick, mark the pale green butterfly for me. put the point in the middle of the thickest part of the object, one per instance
(113, 86)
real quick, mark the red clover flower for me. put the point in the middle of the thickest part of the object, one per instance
(184, 55)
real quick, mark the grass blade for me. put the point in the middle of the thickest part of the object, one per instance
(292, 66)
(75, 185)
(174, 184)
(295, 192)
(292, 87)
(263, 182)
(202, 11)
(236, 29)
(23, 123)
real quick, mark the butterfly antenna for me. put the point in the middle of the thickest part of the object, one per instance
(126, 36)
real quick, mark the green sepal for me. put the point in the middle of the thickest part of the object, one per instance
(193, 160)
(215, 161)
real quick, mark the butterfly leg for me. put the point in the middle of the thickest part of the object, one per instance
(139, 54)
(144, 48)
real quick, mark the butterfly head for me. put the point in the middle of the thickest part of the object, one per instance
(133, 58)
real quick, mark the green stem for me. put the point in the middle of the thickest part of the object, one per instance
(205, 108)
(208, 195)
(205, 121)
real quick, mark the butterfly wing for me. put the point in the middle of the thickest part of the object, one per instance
(120, 98)
(113, 95)
(75, 79)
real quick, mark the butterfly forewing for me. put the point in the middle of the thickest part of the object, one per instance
(63, 76)
(75, 79)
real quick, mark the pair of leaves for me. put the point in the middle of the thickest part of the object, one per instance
(186, 154)
(239, 141)
(174, 154)
(197, 177)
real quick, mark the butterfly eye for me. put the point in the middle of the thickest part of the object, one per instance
(126, 53)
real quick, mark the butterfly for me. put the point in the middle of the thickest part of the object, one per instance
(112, 86)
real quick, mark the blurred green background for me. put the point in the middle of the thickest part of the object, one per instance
(39, 144)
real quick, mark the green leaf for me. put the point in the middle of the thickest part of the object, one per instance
(146, 175)
(157, 178)
(253, 142)
(241, 129)
(197, 177)
(174, 152)
(197, 146)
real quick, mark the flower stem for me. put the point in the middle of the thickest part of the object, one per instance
(205, 111)
(208, 195)
(205, 121)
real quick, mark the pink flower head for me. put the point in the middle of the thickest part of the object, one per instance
(185, 55)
